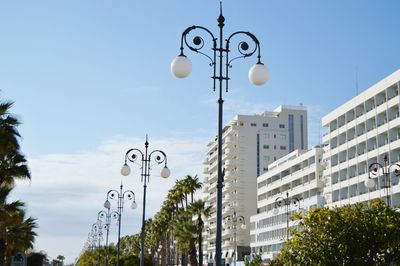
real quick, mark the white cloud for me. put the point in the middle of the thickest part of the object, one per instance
(68, 190)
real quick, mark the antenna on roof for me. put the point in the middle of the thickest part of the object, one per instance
(356, 80)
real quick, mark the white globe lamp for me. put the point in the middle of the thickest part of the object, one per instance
(258, 74)
(181, 66)
(165, 172)
(125, 170)
(369, 183)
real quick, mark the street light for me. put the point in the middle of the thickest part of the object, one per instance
(386, 169)
(181, 67)
(98, 235)
(106, 216)
(287, 202)
(145, 159)
(120, 197)
(234, 220)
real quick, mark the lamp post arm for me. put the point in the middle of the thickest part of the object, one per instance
(374, 168)
(160, 158)
(132, 155)
(129, 195)
(244, 46)
(112, 194)
(396, 169)
(279, 202)
(295, 201)
(198, 46)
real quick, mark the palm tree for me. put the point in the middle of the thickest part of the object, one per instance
(8, 129)
(12, 163)
(191, 185)
(199, 209)
(16, 231)
(184, 229)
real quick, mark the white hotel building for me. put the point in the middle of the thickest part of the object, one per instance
(250, 144)
(296, 180)
(360, 132)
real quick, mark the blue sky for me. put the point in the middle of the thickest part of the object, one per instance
(91, 78)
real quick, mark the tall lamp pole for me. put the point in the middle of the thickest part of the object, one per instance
(96, 230)
(287, 202)
(386, 169)
(120, 196)
(106, 216)
(144, 159)
(234, 220)
(181, 67)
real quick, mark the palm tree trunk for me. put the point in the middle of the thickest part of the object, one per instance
(192, 253)
(200, 249)
(2, 251)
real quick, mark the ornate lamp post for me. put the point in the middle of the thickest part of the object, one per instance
(97, 235)
(234, 220)
(287, 202)
(386, 169)
(144, 159)
(106, 216)
(120, 197)
(220, 61)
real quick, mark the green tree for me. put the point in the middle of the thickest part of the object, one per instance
(16, 231)
(36, 258)
(254, 261)
(198, 209)
(8, 129)
(12, 162)
(359, 234)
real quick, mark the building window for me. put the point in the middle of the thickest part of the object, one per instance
(258, 154)
(281, 126)
(291, 133)
(282, 136)
(265, 124)
(266, 158)
(266, 146)
(274, 147)
(266, 135)
(283, 147)
(274, 136)
(241, 124)
(265, 169)
(302, 131)
(253, 124)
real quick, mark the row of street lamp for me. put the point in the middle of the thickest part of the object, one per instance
(145, 160)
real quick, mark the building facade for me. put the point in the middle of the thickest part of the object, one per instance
(359, 133)
(250, 144)
(292, 183)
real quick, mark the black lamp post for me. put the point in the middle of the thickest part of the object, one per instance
(386, 169)
(144, 160)
(234, 220)
(220, 62)
(287, 202)
(120, 196)
(98, 235)
(106, 216)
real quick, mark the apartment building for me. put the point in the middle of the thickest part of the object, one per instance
(360, 132)
(292, 183)
(250, 144)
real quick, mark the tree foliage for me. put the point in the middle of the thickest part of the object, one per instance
(16, 230)
(359, 234)
(177, 224)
